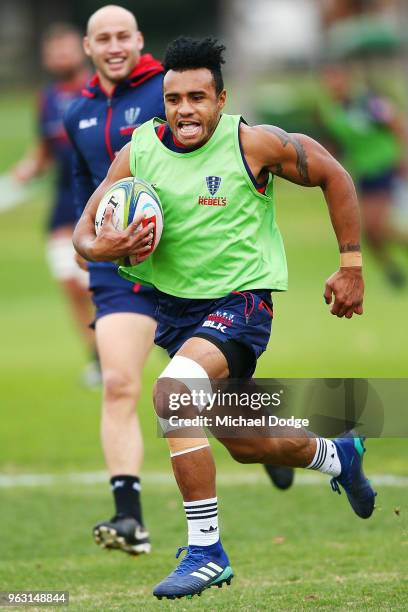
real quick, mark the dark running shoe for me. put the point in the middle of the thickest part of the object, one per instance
(358, 489)
(282, 477)
(201, 568)
(123, 533)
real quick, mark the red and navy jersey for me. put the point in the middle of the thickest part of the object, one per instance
(99, 125)
(54, 101)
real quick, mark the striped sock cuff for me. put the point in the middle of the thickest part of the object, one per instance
(320, 454)
(202, 522)
(326, 459)
(202, 509)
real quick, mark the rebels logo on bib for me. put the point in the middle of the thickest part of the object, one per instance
(213, 184)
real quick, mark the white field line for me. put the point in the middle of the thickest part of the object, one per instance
(166, 478)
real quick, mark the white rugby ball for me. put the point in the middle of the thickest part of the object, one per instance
(129, 197)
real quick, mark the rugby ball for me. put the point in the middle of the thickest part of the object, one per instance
(129, 197)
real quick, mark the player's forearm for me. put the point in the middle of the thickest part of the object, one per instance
(344, 212)
(109, 245)
(34, 164)
(84, 237)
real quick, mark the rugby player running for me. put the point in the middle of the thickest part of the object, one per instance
(125, 92)
(221, 255)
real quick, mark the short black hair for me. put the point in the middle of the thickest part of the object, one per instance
(60, 30)
(185, 53)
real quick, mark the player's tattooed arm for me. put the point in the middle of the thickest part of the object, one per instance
(302, 164)
(304, 161)
(301, 160)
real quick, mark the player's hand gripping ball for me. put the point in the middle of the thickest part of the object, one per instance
(129, 197)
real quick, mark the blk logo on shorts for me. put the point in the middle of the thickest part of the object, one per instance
(220, 321)
(213, 184)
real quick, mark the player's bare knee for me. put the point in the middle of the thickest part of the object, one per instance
(179, 388)
(119, 387)
(166, 392)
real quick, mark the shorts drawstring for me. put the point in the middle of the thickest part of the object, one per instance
(248, 310)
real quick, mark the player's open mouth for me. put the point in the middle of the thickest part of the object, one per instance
(188, 129)
(116, 62)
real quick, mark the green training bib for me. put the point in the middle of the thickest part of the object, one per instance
(220, 233)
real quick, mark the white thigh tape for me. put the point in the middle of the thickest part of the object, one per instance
(61, 260)
(192, 375)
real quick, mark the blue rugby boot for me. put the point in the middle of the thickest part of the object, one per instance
(201, 568)
(359, 492)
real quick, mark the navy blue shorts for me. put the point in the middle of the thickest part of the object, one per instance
(244, 317)
(130, 298)
(379, 182)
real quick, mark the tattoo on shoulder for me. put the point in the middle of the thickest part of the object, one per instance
(302, 164)
(349, 248)
(281, 134)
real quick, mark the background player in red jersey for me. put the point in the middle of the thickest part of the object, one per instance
(64, 60)
(125, 91)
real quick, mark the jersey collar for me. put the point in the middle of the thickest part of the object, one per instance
(147, 67)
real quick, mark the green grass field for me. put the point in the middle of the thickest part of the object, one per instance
(302, 549)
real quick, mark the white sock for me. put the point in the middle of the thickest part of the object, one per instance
(326, 459)
(202, 521)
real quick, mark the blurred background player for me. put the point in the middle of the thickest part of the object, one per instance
(125, 92)
(371, 137)
(64, 60)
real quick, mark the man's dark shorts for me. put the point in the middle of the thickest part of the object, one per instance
(130, 297)
(241, 320)
(382, 182)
